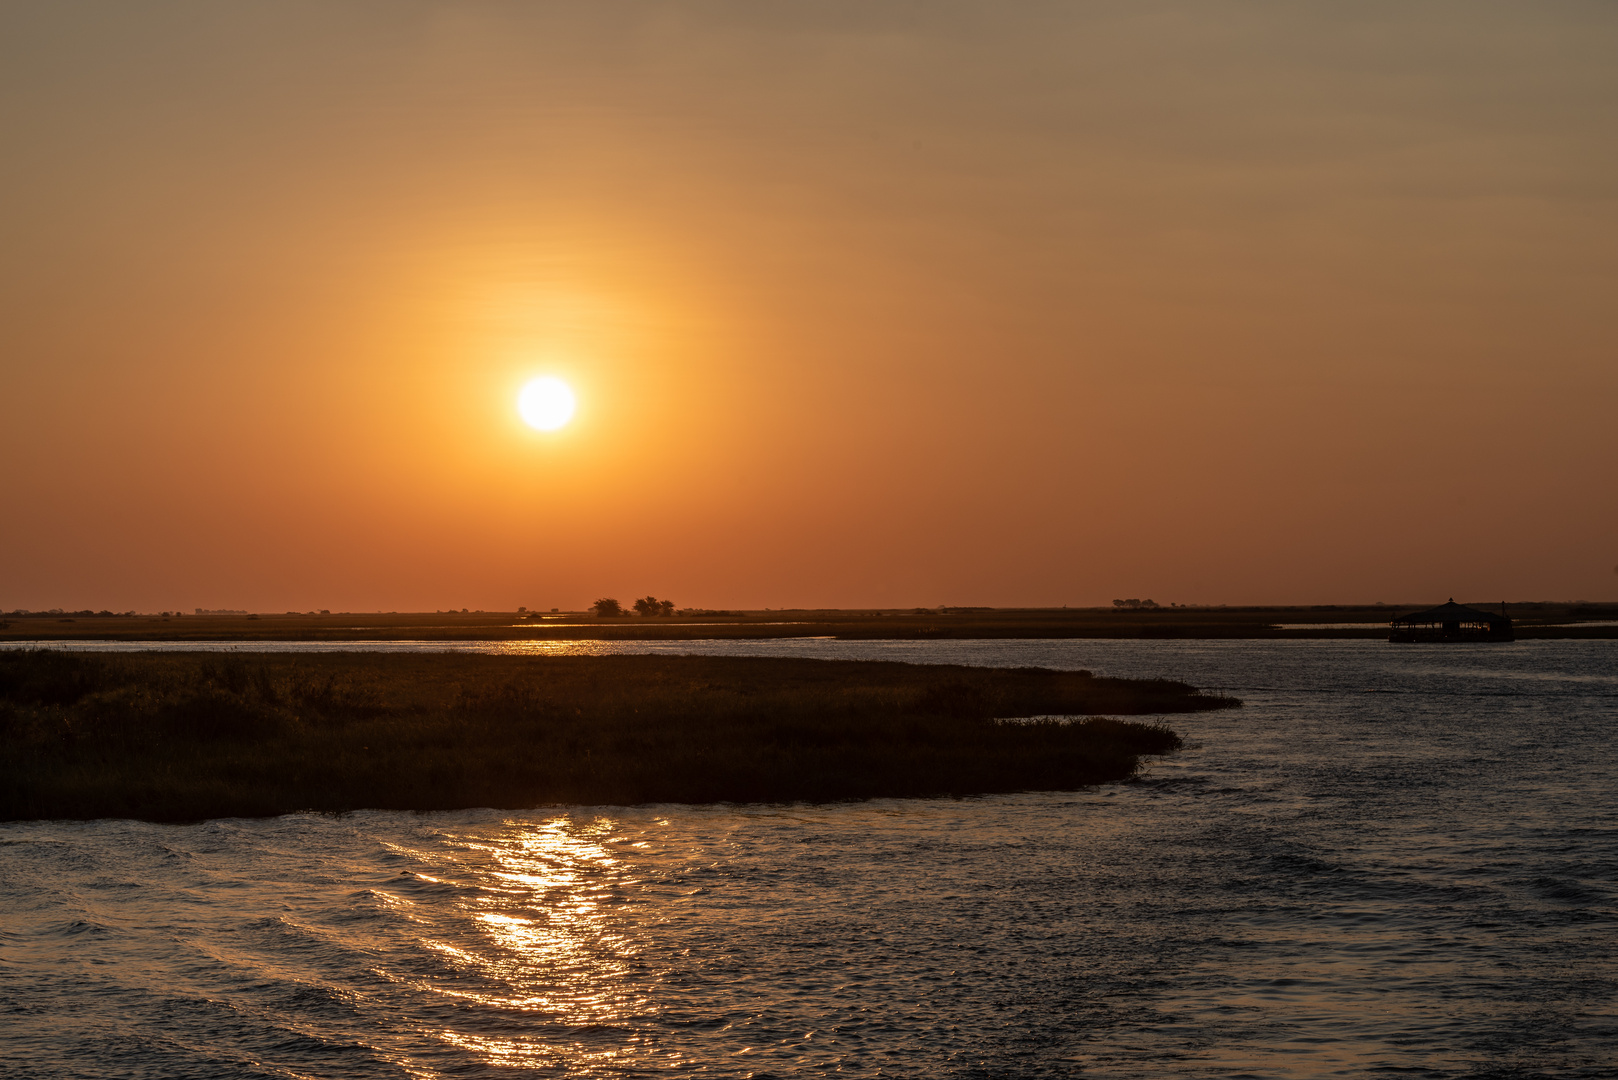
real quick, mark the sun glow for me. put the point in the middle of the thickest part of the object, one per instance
(546, 403)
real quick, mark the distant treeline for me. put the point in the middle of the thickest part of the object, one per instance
(192, 736)
(649, 606)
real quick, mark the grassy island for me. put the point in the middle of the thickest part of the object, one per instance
(189, 736)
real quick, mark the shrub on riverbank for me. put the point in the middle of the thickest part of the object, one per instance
(189, 736)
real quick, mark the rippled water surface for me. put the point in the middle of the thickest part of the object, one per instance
(1396, 859)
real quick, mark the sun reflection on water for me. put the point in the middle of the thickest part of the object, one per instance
(537, 941)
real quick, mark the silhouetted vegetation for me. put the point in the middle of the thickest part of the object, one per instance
(651, 605)
(607, 608)
(190, 736)
(1185, 622)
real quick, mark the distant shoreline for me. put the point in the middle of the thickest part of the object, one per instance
(1532, 621)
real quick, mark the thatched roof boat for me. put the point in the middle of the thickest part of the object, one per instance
(1452, 622)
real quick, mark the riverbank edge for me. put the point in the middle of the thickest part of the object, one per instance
(188, 736)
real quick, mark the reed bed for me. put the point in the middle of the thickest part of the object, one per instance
(192, 736)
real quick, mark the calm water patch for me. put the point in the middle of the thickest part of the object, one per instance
(1396, 859)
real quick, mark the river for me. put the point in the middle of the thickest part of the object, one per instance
(1394, 860)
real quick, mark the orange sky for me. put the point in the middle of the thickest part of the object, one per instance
(864, 303)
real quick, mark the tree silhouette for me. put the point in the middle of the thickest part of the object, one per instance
(607, 607)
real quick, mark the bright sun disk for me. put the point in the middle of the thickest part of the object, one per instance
(546, 403)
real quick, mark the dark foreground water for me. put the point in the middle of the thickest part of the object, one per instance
(1396, 860)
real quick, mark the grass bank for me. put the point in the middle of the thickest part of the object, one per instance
(191, 736)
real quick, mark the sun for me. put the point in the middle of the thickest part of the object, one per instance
(546, 403)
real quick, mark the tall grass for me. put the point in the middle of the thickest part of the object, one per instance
(191, 736)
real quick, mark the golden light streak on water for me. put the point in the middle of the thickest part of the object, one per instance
(544, 940)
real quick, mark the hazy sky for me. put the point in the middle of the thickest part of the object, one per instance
(864, 303)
